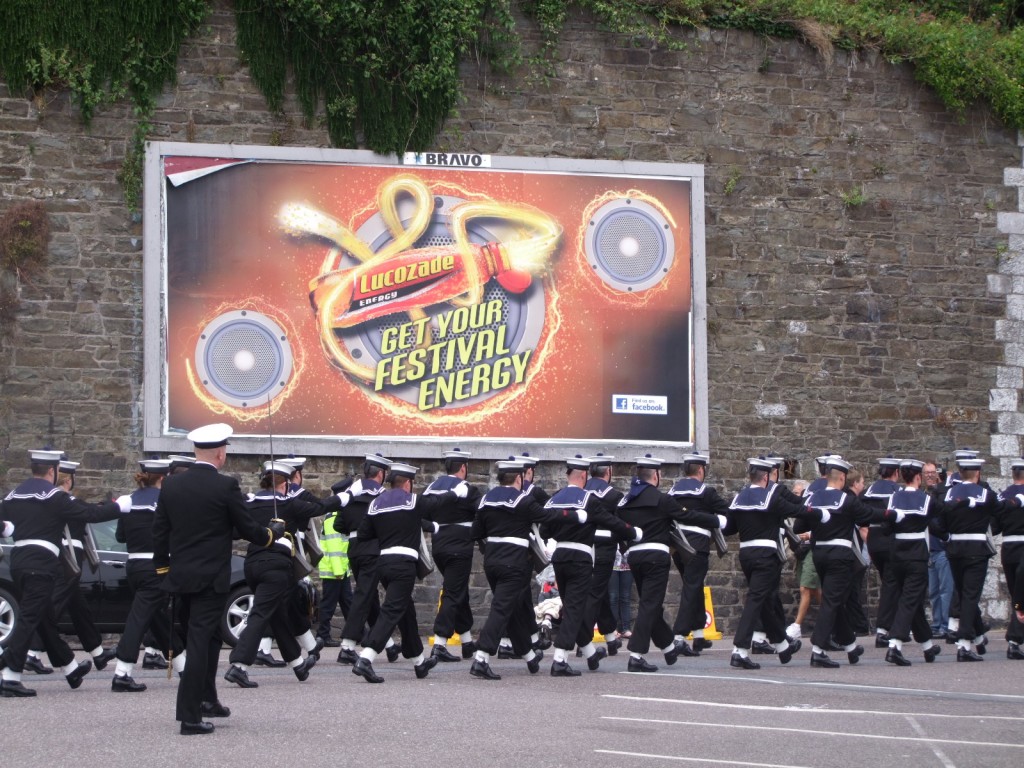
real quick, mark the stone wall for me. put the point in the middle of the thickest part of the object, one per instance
(861, 297)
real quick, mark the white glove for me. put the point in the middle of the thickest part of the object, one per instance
(437, 527)
(582, 515)
(8, 530)
(461, 490)
(825, 516)
(723, 521)
(971, 503)
(125, 503)
(1020, 499)
(639, 533)
(345, 497)
(357, 487)
(900, 514)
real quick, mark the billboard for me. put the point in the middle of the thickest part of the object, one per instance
(325, 295)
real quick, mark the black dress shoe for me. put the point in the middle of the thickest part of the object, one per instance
(315, 653)
(483, 670)
(506, 652)
(671, 655)
(855, 654)
(239, 677)
(393, 652)
(468, 649)
(423, 668)
(13, 689)
(330, 642)
(1014, 653)
(126, 684)
(364, 669)
(982, 650)
(75, 678)
(683, 649)
(950, 638)
(743, 662)
(534, 664)
(302, 671)
(441, 653)
(965, 654)
(594, 662)
(562, 669)
(700, 644)
(35, 664)
(832, 645)
(196, 729)
(821, 660)
(881, 641)
(543, 643)
(762, 647)
(786, 655)
(153, 661)
(347, 656)
(107, 655)
(214, 709)
(931, 653)
(640, 665)
(895, 656)
(613, 646)
(268, 660)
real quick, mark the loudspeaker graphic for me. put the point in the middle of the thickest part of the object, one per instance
(629, 245)
(243, 358)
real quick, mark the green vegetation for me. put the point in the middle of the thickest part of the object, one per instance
(385, 74)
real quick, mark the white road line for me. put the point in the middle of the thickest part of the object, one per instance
(844, 686)
(803, 710)
(938, 752)
(817, 733)
(692, 759)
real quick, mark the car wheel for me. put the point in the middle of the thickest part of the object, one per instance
(236, 614)
(8, 615)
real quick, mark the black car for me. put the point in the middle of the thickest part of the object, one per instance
(107, 593)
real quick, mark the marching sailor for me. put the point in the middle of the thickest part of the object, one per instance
(1011, 525)
(880, 543)
(693, 493)
(573, 561)
(757, 514)
(39, 510)
(394, 519)
(149, 601)
(503, 524)
(452, 548)
(647, 508)
(606, 546)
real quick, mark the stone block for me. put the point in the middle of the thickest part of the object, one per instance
(1009, 377)
(1005, 445)
(1002, 400)
(1010, 423)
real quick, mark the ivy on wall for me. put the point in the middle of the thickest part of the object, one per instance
(385, 74)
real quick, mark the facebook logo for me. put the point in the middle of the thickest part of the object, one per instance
(652, 405)
(621, 404)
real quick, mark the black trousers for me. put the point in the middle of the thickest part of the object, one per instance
(397, 574)
(887, 592)
(365, 600)
(1011, 571)
(836, 571)
(34, 590)
(693, 570)
(910, 593)
(573, 578)
(763, 569)
(148, 614)
(968, 579)
(333, 593)
(511, 613)
(599, 605)
(199, 613)
(454, 616)
(67, 596)
(269, 576)
(650, 573)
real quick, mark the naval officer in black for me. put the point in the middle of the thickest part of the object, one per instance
(39, 510)
(1011, 525)
(606, 546)
(197, 515)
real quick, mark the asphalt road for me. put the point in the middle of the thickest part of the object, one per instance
(697, 712)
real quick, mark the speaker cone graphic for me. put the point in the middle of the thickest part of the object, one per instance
(629, 245)
(243, 358)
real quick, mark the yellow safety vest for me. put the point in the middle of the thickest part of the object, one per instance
(334, 564)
